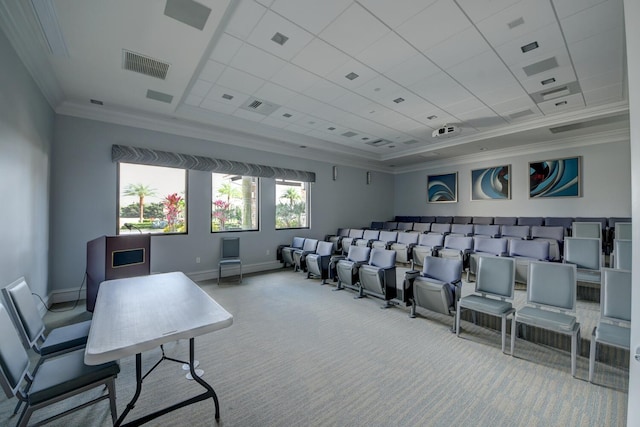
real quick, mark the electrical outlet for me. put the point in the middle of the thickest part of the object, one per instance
(197, 260)
(268, 252)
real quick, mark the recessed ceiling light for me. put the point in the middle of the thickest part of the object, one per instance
(548, 81)
(365, 138)
(561, 103)
(227, 96)
(352, 76)
(432, 117)
(331, 128)
(529, 47)
(349, 134)
(95, 101)
(303, 146)
(279, 38)
(398, 100)
(287, 115)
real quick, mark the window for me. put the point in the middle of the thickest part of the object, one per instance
(151, 199)
(234, 202)
(292, 201)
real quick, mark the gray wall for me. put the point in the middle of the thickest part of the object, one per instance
(26, 128)
(606, 186)
(83, 200)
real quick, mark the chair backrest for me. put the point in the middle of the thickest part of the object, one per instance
(388, 236)
(23, 310)
(530, 220)
(390, 225)
(458, 242)
(444, 219)
(324, 248)
(496, 276)
(310, 245)
(615, 295)
(586, 229)
(505, 220)
(356, 233)
(447, 270)
(463, 229)
(482, 220)
(461, 220)
(231, 247)
(556, 221)
(377, 225)
(622, 259)
(623, 230)
(520, 231)
(343, 232)
(408, 238)
(546, 232)
(599, 219)
(405, 226)
(428, 219)
(382, 258)
(552, 284)
(14, 360)
(486, 230)
(584, 252)
(490, 246)
(441, 228)
(431, 240)
(297, 242)
(421, 227)
(371, 234)
(358, 253)
(535, 249)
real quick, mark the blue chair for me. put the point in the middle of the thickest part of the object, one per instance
(485, 247)
(318, 262)
(287, 251)
(378, 276)
(299, 255)
(428, 245)
(347, 269)
(229, 255)
(621, 258)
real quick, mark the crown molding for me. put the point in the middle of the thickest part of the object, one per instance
(25, 35)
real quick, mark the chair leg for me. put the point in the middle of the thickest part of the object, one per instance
(240, 272)
(458, 321)
(112, 399)
(514, 332)
(412, 314)
(23, 421)
(574, 345)
(592, 355)
(219, 272)
(504, 331)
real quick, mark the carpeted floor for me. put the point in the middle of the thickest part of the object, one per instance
(299, 354)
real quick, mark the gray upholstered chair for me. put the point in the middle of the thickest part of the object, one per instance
(586, 229)
(354, 234)
(390, 225)
(385, 239)
(622, 231)
(368, 237)
(621, 258)
(462, 230)
(53, 379)
(486, 230)
(553, 235)
(525, 251)
(530, 220)
(405, 226)
(482, 220)
(551, 303)
(586, 254)
(461, 220)
(287, 251)
(521, 232)
(558, 221)
(495, 282)
(378, 276)
(318, 262)
(26, 317)
(229, 255)
(404, 245)
(457, 247)
(441, 228)
(505, 220)
(485, 247)
(438, 286)
(299, 255)
(428, 245)
(336, 239)
(615, 314)
(347, 269)
(421, 227)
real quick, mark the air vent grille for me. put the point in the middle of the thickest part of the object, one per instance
(144, 65)
(255, 104)
(520, 114)
(260, 106)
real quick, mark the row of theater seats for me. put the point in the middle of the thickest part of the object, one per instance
(551, 291)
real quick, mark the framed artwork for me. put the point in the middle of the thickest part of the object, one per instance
(555, 178)
(491, 183)
(442, 188)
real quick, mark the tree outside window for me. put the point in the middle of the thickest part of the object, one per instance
(234, 202)
(292, 200)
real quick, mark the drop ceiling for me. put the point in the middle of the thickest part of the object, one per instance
(365, 82)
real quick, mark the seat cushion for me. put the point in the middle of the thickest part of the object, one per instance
(65, 373)
(66, 337)
(617, 336)
(486, 305)
(547, 319)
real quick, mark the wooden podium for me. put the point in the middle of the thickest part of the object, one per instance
(115, 257)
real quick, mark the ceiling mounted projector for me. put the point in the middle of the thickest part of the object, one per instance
(446, 131)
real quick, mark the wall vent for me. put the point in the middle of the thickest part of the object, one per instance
(144, 65)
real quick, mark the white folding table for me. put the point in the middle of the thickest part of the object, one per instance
(137, 314)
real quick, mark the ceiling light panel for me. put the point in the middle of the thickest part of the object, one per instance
(354, 30)
(311, 15)
(225, 49)
(320, 58)
(244, 19)
(563, 74)
(271, 22)
(540, 66)
(257, 62)
(549, 39)
(396, 51)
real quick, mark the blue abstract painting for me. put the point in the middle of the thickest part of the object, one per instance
(491, 183)
(442, 188)
(555, 178)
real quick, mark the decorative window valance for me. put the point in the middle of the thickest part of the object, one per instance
(146, 156)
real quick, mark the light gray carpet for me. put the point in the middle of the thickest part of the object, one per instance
(299, 354)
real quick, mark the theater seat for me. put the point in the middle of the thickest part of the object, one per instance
(526, 251)
(404, 245)
(348, 268)
(378, 277)
(318, 262)
(287, 251)
(299, 255)
(428, 245)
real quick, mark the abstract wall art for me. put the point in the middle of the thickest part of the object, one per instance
(555, 178)
(492, 183)
(442, 188)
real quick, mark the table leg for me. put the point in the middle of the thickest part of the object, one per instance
(200, 381)
(132, 403)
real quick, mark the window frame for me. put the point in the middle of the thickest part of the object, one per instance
(307, 185)
(258, 190)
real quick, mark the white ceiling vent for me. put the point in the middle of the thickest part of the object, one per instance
(259, 106)
(144, 65)
(556, 93)
(519, 114)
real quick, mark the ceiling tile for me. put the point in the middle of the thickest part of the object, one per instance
(320, 58)
(282, 113)
(574, 102)
(481, 119)
(257, 62)
(265, 3)
(458, 48)
(605, 94)
(304, 104)
(217, 91)
(351, 102)
(387, 53)
(325, 91)
(295, 78)
(549, 39)
(226, 48)
(565, 8)
(245, 17)
(428, 28)
(379, 89)
(535, 14)
(364, 74)
(218, 107)
(515, 105)
(598, 53)
(354, 30)
(269, 25)
(440, 89)
(393, 13)
(482, 9)
(561, 76)
(239, 80)
(270, 121)
(603, 17)
(296, 128)
(612, 76)
(275, 93)
(311, 15)
(201, 88)
(411, 71)
(211, 71)
(311, 122)
(248, 115)
(469, 104)
(193, 100)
